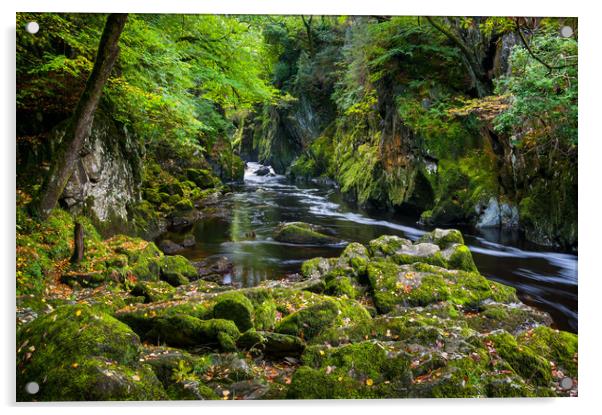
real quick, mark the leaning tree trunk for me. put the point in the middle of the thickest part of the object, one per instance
(475, 68)
(78, 243)
(80, 125)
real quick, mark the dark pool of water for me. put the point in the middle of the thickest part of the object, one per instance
(544, 279)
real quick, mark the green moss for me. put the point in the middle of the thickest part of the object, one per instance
(422, 284)
(508, 386)
(387, 245)
(153, 196)
(560, 347)
(78, 353)
(315, 267)
(443, 237)
(308, 383)
(204, 179)
(226, 342)
(265, 315)
(251, 339)
(153, 291)
(548, 211)
(512, 318)
(184, 205)
(283, 345)
(176, 270)
(361, 370)
(186, 331)
(410, 258)
(174, 200)
(316, 161)
(42, 246)
(310, 321)
(461, 258)
(340, 286)
(236, 307)
(301, 233)
(191, 390)
(143, 257)
(461, 185)
(141, 318)
(357, 256)
(525, 361)
(462, 380)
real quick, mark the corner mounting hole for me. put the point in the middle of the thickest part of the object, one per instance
(32, 388)
(566, 31)
(32, 27)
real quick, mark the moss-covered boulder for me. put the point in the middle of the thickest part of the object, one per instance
(515, 318)
(204, 179)
(236, 307)
(529, 364)
(186, 331)
(360, 370)
(310, 321)
(455, 256)
(153, 291)
(421, 284)
(176, 270)
(443, 238)
(342, 276)
(143, 258)
(444, 248)
(559, 347)
(387, 245)
(275, 345)
(79, 353)
(184, 205)
(302, 233)
(316, 267)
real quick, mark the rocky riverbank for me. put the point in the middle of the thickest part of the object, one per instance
(392, 319)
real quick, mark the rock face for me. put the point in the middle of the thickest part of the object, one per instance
(107, 175)
(495, 214)
(303, 233)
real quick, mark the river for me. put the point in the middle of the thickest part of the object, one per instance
(543, 278)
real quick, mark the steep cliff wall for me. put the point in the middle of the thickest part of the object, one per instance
(106, 180)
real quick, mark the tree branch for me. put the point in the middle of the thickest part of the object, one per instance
(533, 55)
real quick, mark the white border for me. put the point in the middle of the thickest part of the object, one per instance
(590, 266)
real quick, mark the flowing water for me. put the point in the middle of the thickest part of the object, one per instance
(243, 234)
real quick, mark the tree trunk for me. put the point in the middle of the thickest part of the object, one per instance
(80, 125)
(477, 72)
(78, 244)
(310, 38)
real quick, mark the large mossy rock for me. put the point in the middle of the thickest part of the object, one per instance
(236, 307)
(187, 331)
(444, 248)
(271, 344)
(421, 284)
(79, 353)
(353, 371)
(153, 291)
(311, 321)
(176, 270)
(303, 234)
(203, 178)
(140, 258)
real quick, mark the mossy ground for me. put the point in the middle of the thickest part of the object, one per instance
(377, 327)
